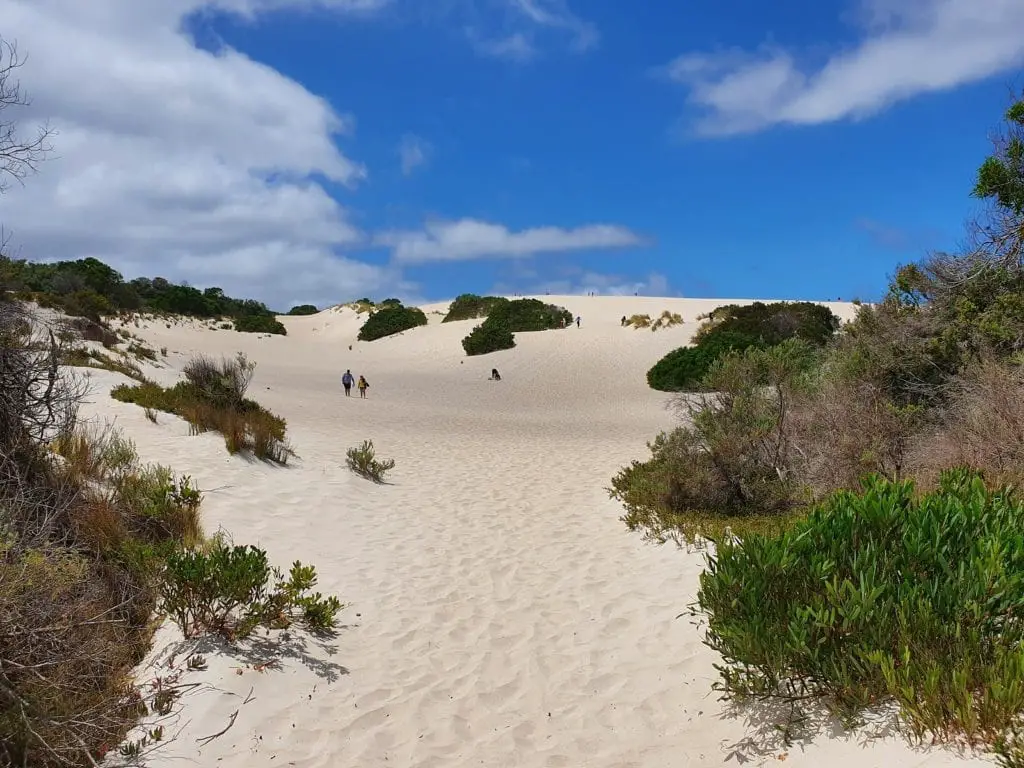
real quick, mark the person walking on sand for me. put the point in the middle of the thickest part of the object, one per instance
(346, 381)
(577, 321)
(363, 385)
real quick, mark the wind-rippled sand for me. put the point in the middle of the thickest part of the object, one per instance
(501, 614)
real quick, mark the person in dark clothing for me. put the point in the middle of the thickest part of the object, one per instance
(346, 382)
(495, 376)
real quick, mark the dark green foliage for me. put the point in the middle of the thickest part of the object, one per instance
(882, 595)
(469, 306)
(683, 368)
(89, 288)
(228, 589)
(303, 309)
(509, 317)
(735, 327)
(389, 318)
(1001, 176)
(260, 324)
(488, 337)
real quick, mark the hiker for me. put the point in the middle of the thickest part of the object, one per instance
(623, 323)
(346, 381)
(495, 376)
(363, 385)
(577, 321)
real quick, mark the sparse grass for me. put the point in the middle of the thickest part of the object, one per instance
(212, 399)
(638, 321)
(141, 351)
(363, 461)
(667, 320)
(151, 415)
(80, 357)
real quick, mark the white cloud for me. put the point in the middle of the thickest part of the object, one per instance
(413, 152)
(178, 162)
(515, 47)
(603, 284)
(525, 20)
(907, 47)
(468, 239)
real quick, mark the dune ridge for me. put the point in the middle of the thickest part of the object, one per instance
(501, 614)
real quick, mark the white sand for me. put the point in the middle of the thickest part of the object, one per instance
(501, 615)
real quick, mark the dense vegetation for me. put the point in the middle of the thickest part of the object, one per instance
(469, 306)
(861, 492)
(734, 327)
(303, 309)
(390, 317)
(510, 317)
(89, 288)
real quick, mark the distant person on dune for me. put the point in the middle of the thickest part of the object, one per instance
(577, 321)
(347, 381)
(363, 386)
(495, 376)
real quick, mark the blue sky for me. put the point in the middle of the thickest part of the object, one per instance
(727, 149)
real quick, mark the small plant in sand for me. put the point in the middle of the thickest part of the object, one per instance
(638, 321)
(232, 590)
(667, 320)
(364, 462)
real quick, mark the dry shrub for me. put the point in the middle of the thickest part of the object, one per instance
(667, 320)
(982, 427)
(639, 321)
(222, 383)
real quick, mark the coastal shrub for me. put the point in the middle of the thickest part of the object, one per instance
(638, 321)
(666, 320)
(79, 357)
(364, 462)
(260, 324)
(733, 327)
(881, 595)
(488, 337)
(469, 306)
(303, 309)
(732, 463)
(212, 398)
(232, 590)
(389, 319)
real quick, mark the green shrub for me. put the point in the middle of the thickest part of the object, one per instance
(469, 306)
(488, 337)
(228, 590)
(732, 463)
(303, 309)
(260, 324)
(733, 327)
(364, 462)
(882, 595)
(524, 315)
(389, 319)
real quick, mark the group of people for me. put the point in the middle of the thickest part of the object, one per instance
(347, 380)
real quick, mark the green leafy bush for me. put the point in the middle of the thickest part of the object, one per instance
(733, 327)
(364, 462)
(469, 306)
(509, 317)
(303, 309)
(233, 589)
(881, 595)
(488, 337)
(731, 465)
(260, 324)
(391, 318)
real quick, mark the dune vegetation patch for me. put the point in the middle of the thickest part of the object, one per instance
(469, 306)
(507, 318)
(390, 317)
(212, 399)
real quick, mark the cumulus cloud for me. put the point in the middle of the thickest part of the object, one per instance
(524, 21)
(603, 284)
(906, 48)
(175, 161)
(413, 152)
(468, 239)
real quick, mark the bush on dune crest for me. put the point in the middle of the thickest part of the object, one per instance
(510, 317)
(389, 318)
(469, 306)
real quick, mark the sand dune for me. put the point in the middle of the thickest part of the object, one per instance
(501, 614)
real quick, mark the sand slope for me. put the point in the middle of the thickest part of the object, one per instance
(501, 613)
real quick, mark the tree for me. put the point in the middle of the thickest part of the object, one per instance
(19, 155)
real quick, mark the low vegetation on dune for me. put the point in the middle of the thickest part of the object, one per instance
(862, 488)
(303, 309)
(212, 398)
(91, 289)
(93, 545)
(469, 306)
(733, 327)
(666, 319)
(390, 317)
(507, 318)
(364, 462)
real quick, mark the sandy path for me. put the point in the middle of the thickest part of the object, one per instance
(501, 614)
